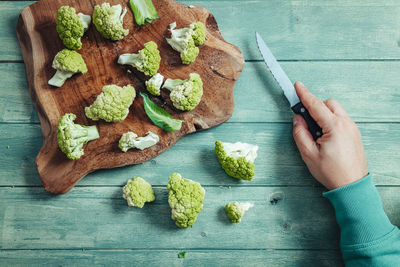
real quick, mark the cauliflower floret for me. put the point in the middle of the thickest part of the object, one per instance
(199, 32)
(112, 105)
(147, 60)
(237, 159)
(71, 137)
(153, 85)
(67, 63)
(109, 21)
(185, 199)
(185, 94)
(71, 26)
(182, 41)
(137, 192)
(131, 140)
(235, 210)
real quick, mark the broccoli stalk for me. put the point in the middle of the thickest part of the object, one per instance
(185, 94)
(71, 137)
(147, 60)
(144, 11)
(237, 159)
(67, 63)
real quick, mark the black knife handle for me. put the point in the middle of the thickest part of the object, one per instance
(313, 127)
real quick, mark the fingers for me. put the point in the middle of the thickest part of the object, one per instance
(303, 138)
(335, 107)
(317, 109)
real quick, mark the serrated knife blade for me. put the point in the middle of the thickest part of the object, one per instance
(287, 87)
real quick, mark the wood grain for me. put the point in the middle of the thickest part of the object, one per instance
(98, 217)
(219, 65)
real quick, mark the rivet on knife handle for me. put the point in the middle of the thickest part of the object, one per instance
(313, 127)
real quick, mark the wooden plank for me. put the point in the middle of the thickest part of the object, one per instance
(357, 85)
(278, 161)
(98, 217)
(163, 258)
(295, 30)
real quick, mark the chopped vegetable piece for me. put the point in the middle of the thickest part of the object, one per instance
(137, 192)
(237, 159)
(144, 11)
(185, 199)
(153, 85)
(112, 105)
(131, 140)
(235, 210)
(71, 136)
(67, 63)
(147, 60)
(181, 254)
(109, 21)
(159, 116)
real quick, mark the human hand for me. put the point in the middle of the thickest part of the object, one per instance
(337, 158)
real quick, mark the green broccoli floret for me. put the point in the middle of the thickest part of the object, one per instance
(237, 159)
(235, 210)
(137, 192)
(185, 94)
(184, 40)
(147, 60)
(144, 11)
(199, 32)
(185, 199)
(71, 26)
(67, 63)
(153, 85)
(112, 105)
(71, 137)
(109, 21)
(131, 140)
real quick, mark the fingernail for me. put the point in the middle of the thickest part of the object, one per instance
(295, 120)
(300, 83)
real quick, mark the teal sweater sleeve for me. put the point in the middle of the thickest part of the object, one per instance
(367, 238)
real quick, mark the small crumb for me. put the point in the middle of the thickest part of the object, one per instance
(128, 71)
(191, 6)
(229, 187)
(13, 186)
(212, 67)
(8, 147)
(181, 254)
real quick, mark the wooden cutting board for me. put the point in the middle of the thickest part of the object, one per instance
(219, 64)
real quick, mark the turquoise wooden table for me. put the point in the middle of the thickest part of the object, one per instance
(347, 50)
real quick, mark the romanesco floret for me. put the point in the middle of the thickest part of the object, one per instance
(153, 85)
(71, 26)
(131, 140)
(147, 60)
(199, 32)
(109, 21)
(185, 94)
(137, 192)
(182, 41)
(185, 199)
(112, 105)
(237, 159)
(71, 137)
(235, 210)
(67, 63)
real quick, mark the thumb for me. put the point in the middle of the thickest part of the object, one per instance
(303, 138)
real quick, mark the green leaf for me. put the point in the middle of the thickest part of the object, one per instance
(182, 254)
(159, 116)
(144, 11)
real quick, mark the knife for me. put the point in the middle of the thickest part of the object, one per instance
(287, 87)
